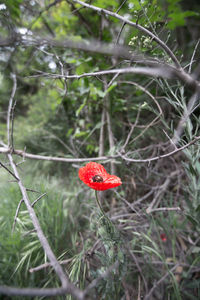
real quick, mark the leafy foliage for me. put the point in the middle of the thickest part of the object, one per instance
(137, 116)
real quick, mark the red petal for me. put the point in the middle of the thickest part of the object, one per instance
(87, 173)
(163, 237)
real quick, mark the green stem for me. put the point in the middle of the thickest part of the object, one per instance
(108, 224)
(101, 209)
(99, 204)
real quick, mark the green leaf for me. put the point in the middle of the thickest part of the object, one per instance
(14, 8)
(192, 220)
(178, 18)
(111, 87)
(81, 107)
(69, 132)
(80, 134)
(105, 3)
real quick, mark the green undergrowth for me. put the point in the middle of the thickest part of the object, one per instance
(129, 243)
(61, 216)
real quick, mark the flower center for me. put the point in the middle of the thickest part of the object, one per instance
(97, 178)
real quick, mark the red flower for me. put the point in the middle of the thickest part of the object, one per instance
(96, 177)
(163, 237)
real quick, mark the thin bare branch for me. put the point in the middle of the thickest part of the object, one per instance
(120, 32)
(66, 285)
(141, 28)
(193, 55)
(47, 265)
(160, 71)
(16, 214)
(101, 136)
(102, 158)
(3, 166)
(34, 202)
(189, 109)
(33, 191)
(12, 124)
(139, 269)
(53, 158)
(158, 194)
(154, 100)
(109, 128)
(157, 70)
(84, 45)
(148, 160)
(121, 6)
(130, 132)
(9, 114)
(160, 191)
(164, 209)
(147, 297)
(31, 292)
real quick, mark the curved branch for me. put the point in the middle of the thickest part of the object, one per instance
(141, 28)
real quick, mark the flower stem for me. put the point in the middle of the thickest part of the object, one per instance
(101, 209)
(99, 204)
(111, 231)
